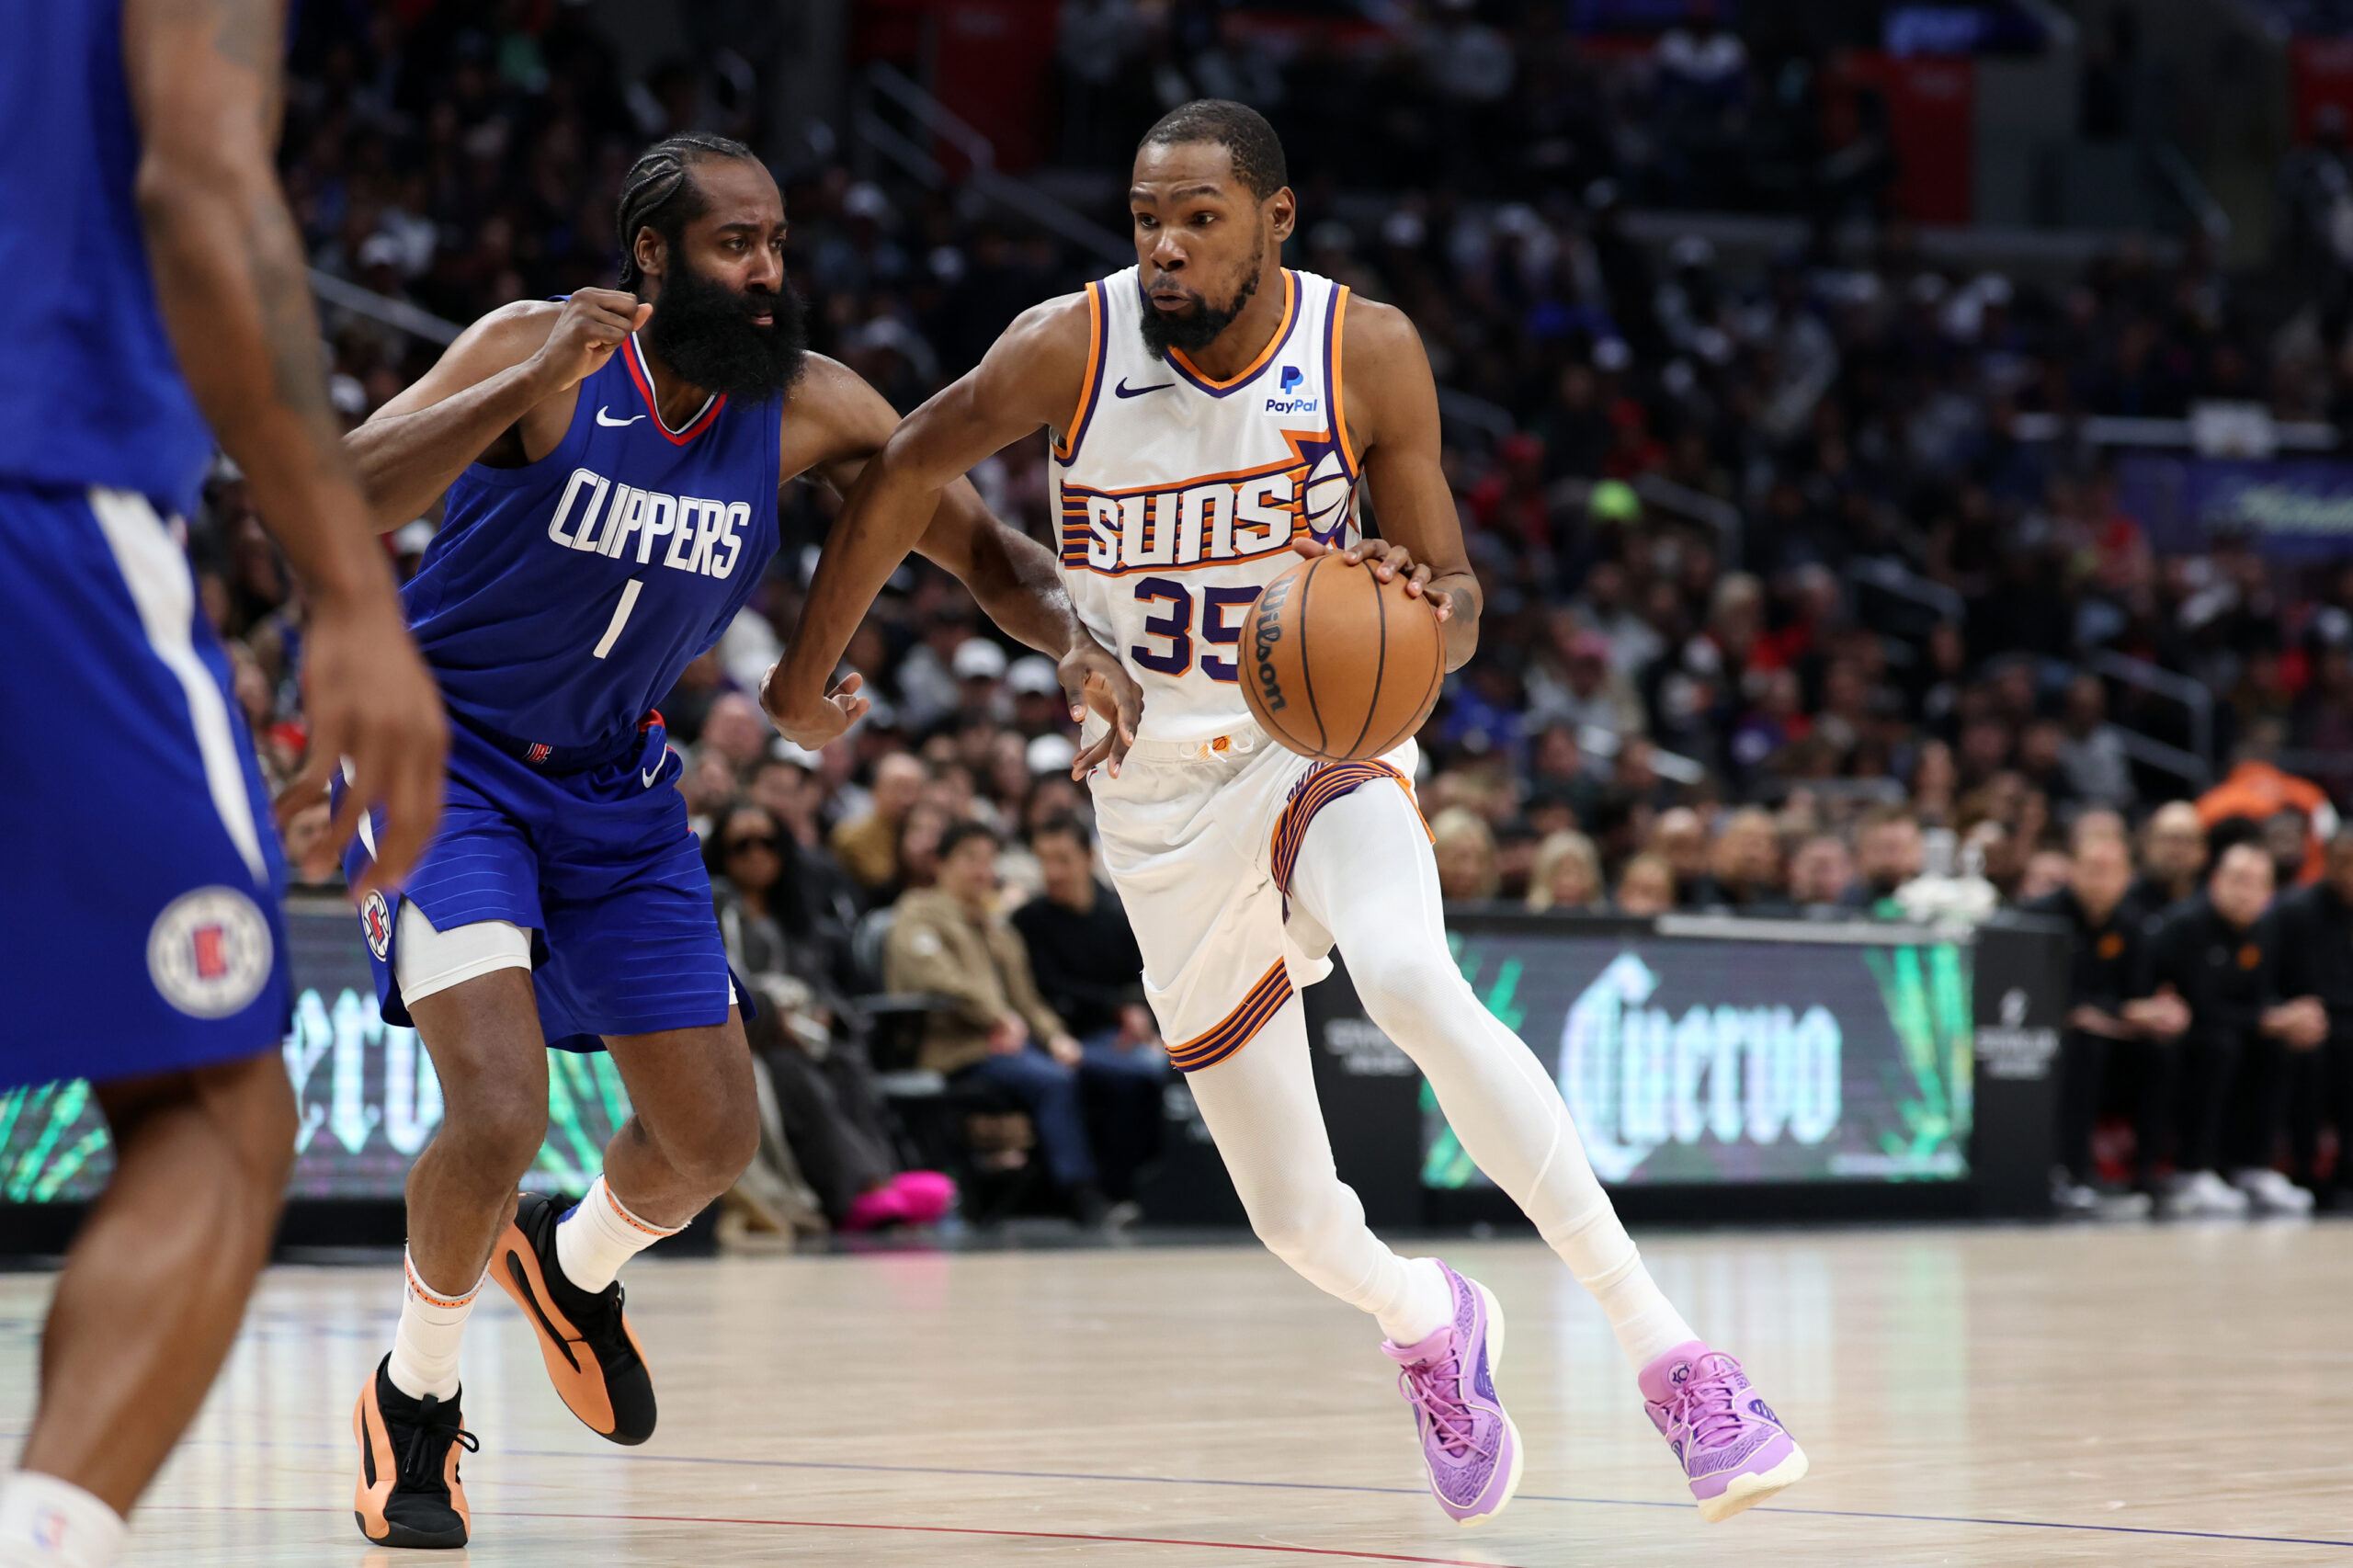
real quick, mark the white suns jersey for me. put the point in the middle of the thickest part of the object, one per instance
(1179, 496)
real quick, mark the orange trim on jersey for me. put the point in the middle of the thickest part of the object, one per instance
(1339, 403)
(1092, 387)
(1281, 335)
(1238, 1027)
(701, 422)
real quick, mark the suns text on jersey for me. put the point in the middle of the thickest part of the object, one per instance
(1217, 519)
(612, 519)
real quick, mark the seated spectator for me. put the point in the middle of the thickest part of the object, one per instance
(1821, 872)
(2106, 965)
(2215, 953)
(1465, 846)
(996, 1031)
(1680, 839)
(1567, 875)
(1646, 887)
(868, 847)
(2046, 873)
(1744, 868)
(792, 947)
(2315, 939)
(1889, 852)
(1088, 969)
(2173, 853)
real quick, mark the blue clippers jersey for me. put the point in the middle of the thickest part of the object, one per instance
(95, 395)
(561, 599)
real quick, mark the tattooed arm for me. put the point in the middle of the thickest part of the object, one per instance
(205, 84)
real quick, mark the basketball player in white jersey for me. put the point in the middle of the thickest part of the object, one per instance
(1212, 413)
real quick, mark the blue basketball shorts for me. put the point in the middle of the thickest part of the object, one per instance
(140, 875)
(598, 865)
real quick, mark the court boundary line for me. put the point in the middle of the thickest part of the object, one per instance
(977, 1473)
(848, 1525)
(1417, 1491)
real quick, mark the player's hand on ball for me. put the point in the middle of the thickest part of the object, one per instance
(592, 325)
(1094, 679)
(813, 724)
(1389, 563)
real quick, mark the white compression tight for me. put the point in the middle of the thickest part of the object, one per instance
(1366, 874)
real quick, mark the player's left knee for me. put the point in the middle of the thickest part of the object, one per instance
(719, 1147)
(1405, 991)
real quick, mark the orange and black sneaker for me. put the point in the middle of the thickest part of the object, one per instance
(409, 1493)
(592, 1358)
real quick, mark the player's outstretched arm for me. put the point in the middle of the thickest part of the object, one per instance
(1031, 377)
(501, 383)
(1391, 414)
(833, 428)
(204, 81)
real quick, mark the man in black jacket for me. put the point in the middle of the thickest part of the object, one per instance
(2216, 953)
(1089, 970)
(2316, 967)
(2107, 963)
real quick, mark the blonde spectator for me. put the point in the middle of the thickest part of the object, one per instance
(1647, 886)
(1466, 854)
(1567, 874)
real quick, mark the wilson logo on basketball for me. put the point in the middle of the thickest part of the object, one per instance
(1268, 631)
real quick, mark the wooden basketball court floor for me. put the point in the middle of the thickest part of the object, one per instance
(2149, 1396)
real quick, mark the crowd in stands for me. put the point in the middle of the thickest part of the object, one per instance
(1668, 468)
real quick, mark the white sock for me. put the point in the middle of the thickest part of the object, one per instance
(1425, 1306)
(1365, 870)
(599, 1235)
(424, 1347)
(49, 1523)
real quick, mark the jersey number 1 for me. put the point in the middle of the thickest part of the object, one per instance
(630, 590)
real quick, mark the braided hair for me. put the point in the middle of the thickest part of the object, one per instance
(657, 194)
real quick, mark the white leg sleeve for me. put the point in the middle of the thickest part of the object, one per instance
(1260, 1106)
(426, 961)
(1365, 872)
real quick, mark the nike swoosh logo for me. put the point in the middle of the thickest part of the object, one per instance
(1124, 389)
(651, 774)
(617, 424)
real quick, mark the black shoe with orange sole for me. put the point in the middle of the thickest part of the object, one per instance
(592, 1356)
(409, 1493)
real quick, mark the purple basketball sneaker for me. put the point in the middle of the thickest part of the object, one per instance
(1734, 1450)
(1470, 1445)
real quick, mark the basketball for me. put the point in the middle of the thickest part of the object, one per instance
(1337, 664)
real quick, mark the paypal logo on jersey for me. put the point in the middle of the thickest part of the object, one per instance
(702, 533)
(1286, 402)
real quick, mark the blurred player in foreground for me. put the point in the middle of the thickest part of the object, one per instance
(160, 289)
(1212, 413)
(613, 463)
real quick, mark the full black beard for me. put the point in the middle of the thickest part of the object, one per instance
(704, 330)
(1191, 332)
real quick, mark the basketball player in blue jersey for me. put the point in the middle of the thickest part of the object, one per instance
(160, 303)
(1248, 403)
(612, 464)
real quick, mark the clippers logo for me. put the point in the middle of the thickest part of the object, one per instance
(1262, 646)
(209, 952)
(538, 753)
(376, 922)
(1286, 402)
